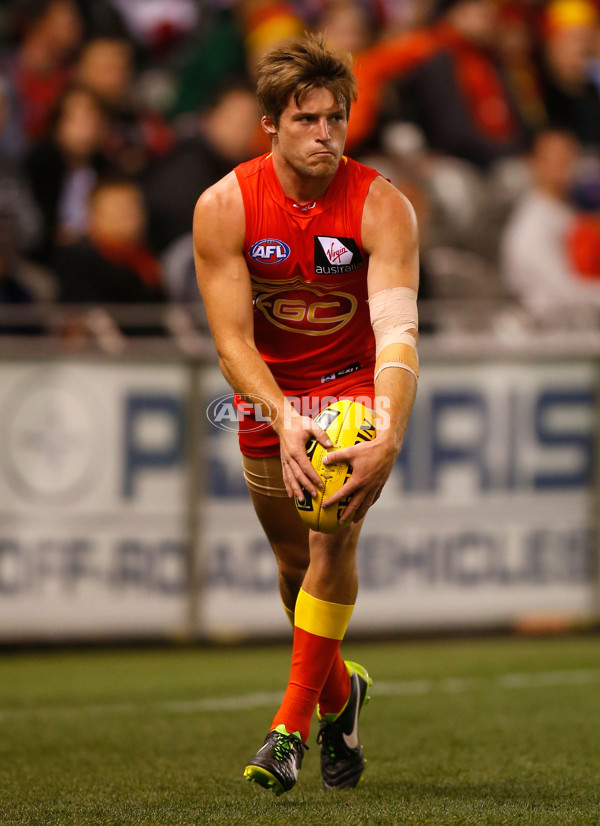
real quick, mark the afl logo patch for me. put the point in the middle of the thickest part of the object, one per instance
(269, 251)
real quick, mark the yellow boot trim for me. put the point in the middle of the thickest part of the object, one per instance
(324, 619)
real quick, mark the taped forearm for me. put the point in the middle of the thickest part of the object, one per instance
(395, 322)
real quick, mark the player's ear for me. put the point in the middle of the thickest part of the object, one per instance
(268, 126)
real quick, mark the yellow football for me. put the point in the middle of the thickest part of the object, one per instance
(346, 423)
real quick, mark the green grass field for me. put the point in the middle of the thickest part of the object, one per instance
(502, 731)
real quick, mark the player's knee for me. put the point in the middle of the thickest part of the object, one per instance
(329, 563)
(334, 552)
(336, 545)
(292, 571)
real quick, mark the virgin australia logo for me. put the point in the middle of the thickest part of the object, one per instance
(336, 255)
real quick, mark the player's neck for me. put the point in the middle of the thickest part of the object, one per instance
(300, 188)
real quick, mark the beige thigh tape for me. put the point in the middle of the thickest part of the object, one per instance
(264, 475)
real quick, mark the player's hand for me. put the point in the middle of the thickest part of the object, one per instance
(298, 472)
(371, 464)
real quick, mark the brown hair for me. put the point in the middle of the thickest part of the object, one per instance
(298, 67)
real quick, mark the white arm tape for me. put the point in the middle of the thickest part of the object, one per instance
(393, 314)
(396, 364)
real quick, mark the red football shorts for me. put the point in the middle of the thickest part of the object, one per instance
(259, 441)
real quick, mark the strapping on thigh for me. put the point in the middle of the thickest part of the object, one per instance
(264, 475)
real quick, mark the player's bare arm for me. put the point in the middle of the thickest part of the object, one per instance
(393, 248)
(226, 289)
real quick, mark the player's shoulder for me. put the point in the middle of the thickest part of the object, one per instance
(224, 195)
(227, 195)
(384, 198)
(399, 224)
(219, 218)
(380, 192)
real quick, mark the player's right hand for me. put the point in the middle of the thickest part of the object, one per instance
(298, 473)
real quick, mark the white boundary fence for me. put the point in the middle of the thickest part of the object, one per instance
(123, 511)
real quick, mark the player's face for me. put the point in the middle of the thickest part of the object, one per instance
(310, 137)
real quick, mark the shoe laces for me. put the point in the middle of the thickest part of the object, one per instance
(285, 744)
(326, 737)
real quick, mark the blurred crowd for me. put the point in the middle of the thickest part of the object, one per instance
(116, 114)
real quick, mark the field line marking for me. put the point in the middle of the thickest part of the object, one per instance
(245, 702)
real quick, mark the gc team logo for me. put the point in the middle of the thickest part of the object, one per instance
(309, 311)
(269, 251)
(225, 414)
(303, 308)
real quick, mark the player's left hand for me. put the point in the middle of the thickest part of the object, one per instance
(371, 464)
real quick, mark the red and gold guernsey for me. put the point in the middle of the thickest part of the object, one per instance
(309, 277)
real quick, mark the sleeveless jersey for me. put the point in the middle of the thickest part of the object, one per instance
(309, 276)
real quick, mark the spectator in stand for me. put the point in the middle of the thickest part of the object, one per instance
(348, 25)
(518, 46)
(48, 34)
(223, 136)
(571, 95)
(447, 80)
(158, 26)
(216, 53)
(535, 249)
(63, 168)
(266, 24)
(15, 196)
(584, 246)
(112, 263)
(135, 134)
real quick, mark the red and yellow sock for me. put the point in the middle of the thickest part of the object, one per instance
(336, 690)
(319, 628)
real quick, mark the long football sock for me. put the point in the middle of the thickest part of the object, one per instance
(319, 628)
(336, 690)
